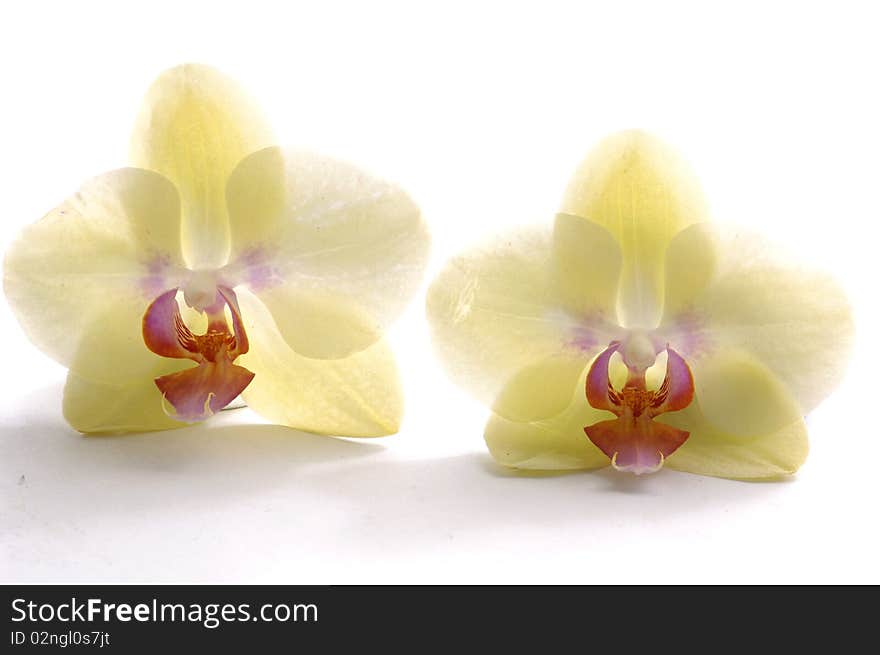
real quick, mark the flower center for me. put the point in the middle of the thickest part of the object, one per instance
(638, 352)
(213, 344)
(634, 441)
(196, 393)
(200, 289)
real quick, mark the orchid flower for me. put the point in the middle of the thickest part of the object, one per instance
(637, 334)
(221, 265)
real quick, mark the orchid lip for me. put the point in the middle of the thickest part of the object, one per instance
(197, 393)
(637, 470)
(633, 441)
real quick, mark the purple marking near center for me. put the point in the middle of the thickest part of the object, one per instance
(156, 281)
(258, 273)
(688, 334)
(590, 333)
(584, 339)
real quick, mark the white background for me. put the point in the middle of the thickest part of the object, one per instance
(481, 111)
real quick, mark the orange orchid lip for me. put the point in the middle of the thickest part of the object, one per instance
(634, 441)
(197, 393)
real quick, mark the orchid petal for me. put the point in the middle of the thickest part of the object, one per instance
(553, 444)
(133, 405)
(638, 188)
(795, 321)
(500, 326)
(80, 279)
(539, 390)
(194, 127)
(739, 395)
(587, 264)
(258, 192)
(691, 264)
(318, 324)
(334, 253)
(358, 396)
(714, 452)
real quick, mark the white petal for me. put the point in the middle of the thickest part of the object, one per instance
(557, 443)
(358, 396)
(333, 252)
(500, 324)
(80, 279)
(710, 451)
(644, 194)
(588, 264)
(749, 297)
(133, 405)
(195, 125)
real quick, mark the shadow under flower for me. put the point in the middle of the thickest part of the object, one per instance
(68, 474)
(233, 502)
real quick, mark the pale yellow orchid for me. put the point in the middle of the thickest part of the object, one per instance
(635, 333)
(221, 265)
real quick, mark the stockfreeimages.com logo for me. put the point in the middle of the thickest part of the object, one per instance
(210, 615)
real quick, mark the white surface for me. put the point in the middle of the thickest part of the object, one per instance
(481, 111)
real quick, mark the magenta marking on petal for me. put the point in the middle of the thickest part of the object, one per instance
(256, 270)
(157, 275)
(262, 277)
(688, 334)
(254, 256)
(588, 332)
(584, 340)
